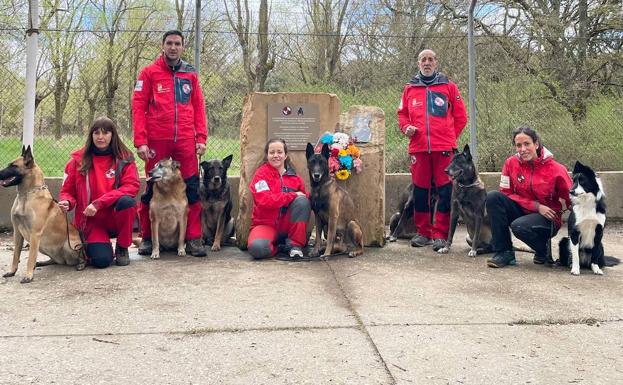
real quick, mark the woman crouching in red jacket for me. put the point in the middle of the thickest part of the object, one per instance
(101, 182)
(532, 186)
(281, 206)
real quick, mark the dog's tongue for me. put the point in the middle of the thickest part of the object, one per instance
(7, 181)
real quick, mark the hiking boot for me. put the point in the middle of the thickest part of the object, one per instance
(296, 252)
(438, 244)
(195, 248)
(122, 258)
(145, 247)
(502, 258)
(420, 241)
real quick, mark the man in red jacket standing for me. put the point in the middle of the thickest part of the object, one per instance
(169, 120)
(432, 115)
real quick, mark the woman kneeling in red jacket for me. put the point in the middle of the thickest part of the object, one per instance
(101, 182)
(281, 206)
(532, 186)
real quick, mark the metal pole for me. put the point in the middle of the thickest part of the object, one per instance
(471, 50)
(31, 73)
(197, 34)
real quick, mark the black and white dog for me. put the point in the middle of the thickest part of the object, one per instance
(586, 222)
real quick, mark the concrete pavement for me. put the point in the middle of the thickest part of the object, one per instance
(397, 315)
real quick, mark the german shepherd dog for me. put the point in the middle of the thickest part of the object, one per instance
(585, 224)
(333, 207)
(168, 209)
(468, 201)
(217, 225)
(37, 218)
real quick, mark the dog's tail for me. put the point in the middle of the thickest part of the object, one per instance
(611, 261)
(564, 251)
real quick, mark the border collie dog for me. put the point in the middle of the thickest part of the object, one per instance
(586, 222)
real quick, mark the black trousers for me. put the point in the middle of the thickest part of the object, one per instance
(533, 229)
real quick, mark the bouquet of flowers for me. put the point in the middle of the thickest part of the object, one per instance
(344, 157)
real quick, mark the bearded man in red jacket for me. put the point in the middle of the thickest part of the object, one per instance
(169, 120)
(432, 115)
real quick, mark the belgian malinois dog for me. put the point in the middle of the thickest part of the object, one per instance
(333, 207)
(168, 209)
(468, 200)
(217, 225)
(37, 218)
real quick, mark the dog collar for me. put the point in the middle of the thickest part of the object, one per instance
(37, 188)
(477, 183)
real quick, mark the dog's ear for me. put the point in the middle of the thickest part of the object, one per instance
(466, 149)
(204, 164)
(28, 158)
(577, 168)
(309, 150)
(227, 161)
(175, 164)
(23, 150)
(326, 152)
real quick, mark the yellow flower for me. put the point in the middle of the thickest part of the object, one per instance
(342, 174)
(343, 153)
(354, 151)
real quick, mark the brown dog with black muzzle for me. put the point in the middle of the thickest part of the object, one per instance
(38, 219)
(333, 207)
(168, 209)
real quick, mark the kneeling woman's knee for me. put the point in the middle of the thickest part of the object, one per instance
(100, 254)
(124, 202)
(494, 197)
(300, 209)
(260, 248)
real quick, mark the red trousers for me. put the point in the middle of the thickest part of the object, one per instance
(288, 231)
(106, 221)
(426, 168)
(184, 152)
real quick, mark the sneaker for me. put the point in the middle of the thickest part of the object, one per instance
(420, 241)
(296, 252)
(195, 248)
(145, 247)
(122, 258)
(502, 258)
(438, 244)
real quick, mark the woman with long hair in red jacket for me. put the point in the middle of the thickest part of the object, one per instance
(101, 182)
(281, 206)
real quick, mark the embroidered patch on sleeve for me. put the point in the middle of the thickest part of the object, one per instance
(505, 181)
(139, 85)
(261, 186)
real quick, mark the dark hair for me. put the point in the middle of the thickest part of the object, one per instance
(287, 163)
(174, 32)
(526, 130)
(118, 149)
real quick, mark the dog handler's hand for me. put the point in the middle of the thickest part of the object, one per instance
(200, 148)
(143, 152)
(410, 130)
(90, 210)
(64, 205)
(547, 212)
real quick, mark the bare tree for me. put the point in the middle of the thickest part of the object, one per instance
(240, 22)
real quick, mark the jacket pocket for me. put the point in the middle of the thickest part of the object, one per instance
(437, 104)
(183, 89)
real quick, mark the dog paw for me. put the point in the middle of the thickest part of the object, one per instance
(596, 269)
(472, 253)
(26, 280)
(444, 250)
(155, 255)
(7, 275)
(215, 247)
(81, 266)
(392, 238)
(181, 252)
(575, 271)
(325, 257)
(354, 254)
(314, 253)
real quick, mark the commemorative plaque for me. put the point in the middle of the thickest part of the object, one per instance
(295, 123)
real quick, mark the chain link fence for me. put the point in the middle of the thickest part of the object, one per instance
(577, 119)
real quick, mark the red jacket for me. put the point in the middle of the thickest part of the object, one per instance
(168, 105)
(543, 181)
(436, 110)
(100, 190)
(271, 192)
